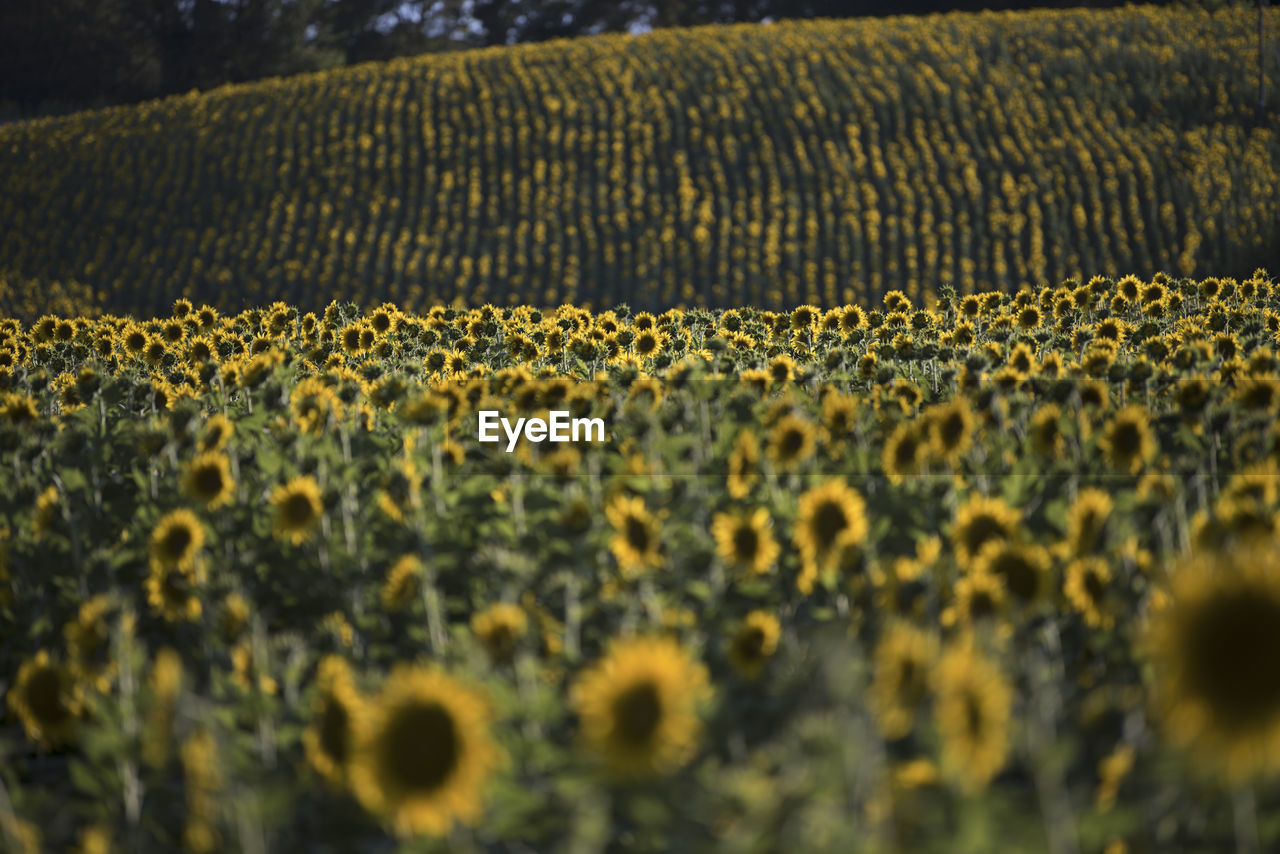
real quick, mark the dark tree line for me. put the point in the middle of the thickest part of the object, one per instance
(69, 54)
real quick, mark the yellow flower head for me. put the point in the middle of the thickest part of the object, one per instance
(423, 752)
(638, 706)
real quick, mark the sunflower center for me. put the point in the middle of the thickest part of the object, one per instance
(637, 712)
(1126, 439)
(750, 644)
(1020, 576)
(208, 480)
(176, 541)
(791, 443)
(335, 730)
(637, 534)
(297, 510)
(1231, 650)
(44, 696)
(746, 542)
(421, 746)
(973, 717)
(951, 430)
(1094, 587)
(829, 521)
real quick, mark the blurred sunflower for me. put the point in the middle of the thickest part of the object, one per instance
(792, 441)
(904, 452)
(832, 520)
(423, 752)
(1088, 580)
(47, 699)
(1023, 570)
(1215, 648)
(328, 741)
(980, 521)
(754, 643)
(744, 469)
(207, 479)
(1087, 519)
(177, 539)
(403, 584)
(1129, 441)
(638, 540)
(902, 667)
(950, 430)
(215, 434)
(745, 540)
(297, 509)
(638, 706)
(314, 405)
(500, 628)
(973, 709)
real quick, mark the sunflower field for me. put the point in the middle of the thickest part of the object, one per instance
(823, 162)
(995, 574)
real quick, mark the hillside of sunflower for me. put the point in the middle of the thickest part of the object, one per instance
(822, 162)
(994, 575)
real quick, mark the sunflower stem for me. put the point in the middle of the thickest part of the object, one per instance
(1245, 812)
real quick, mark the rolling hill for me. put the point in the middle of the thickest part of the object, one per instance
(817, 162)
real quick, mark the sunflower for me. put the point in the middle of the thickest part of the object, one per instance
(743, 465)
(980, 521)
(314, 405)
(832, 521)
(215, 434)
(403, 584)
(173, 591)
(1215, 647)
(208, 479)
(1045, 431)
(745, 541)
(500, 628)
(177, 539)
(47, 699)
(638, 706)
(297, 508)
(423, 752)
(1023, 570)
(978, 597)
(88, 639)
(328, 741)
(904, 661)
(233, 617)
(1129, 441)
(1087, 519)
(904, 452)
(792, 442)
(637, 543)
(754, 642)
(1088, 579)
(950, 430)
(974, 703)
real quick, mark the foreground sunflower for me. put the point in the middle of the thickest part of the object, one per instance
(1215, 649)
(638, 706)
(832, 520)
(980, 521)
(297, 509)
(423, 752)
(974, 704)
